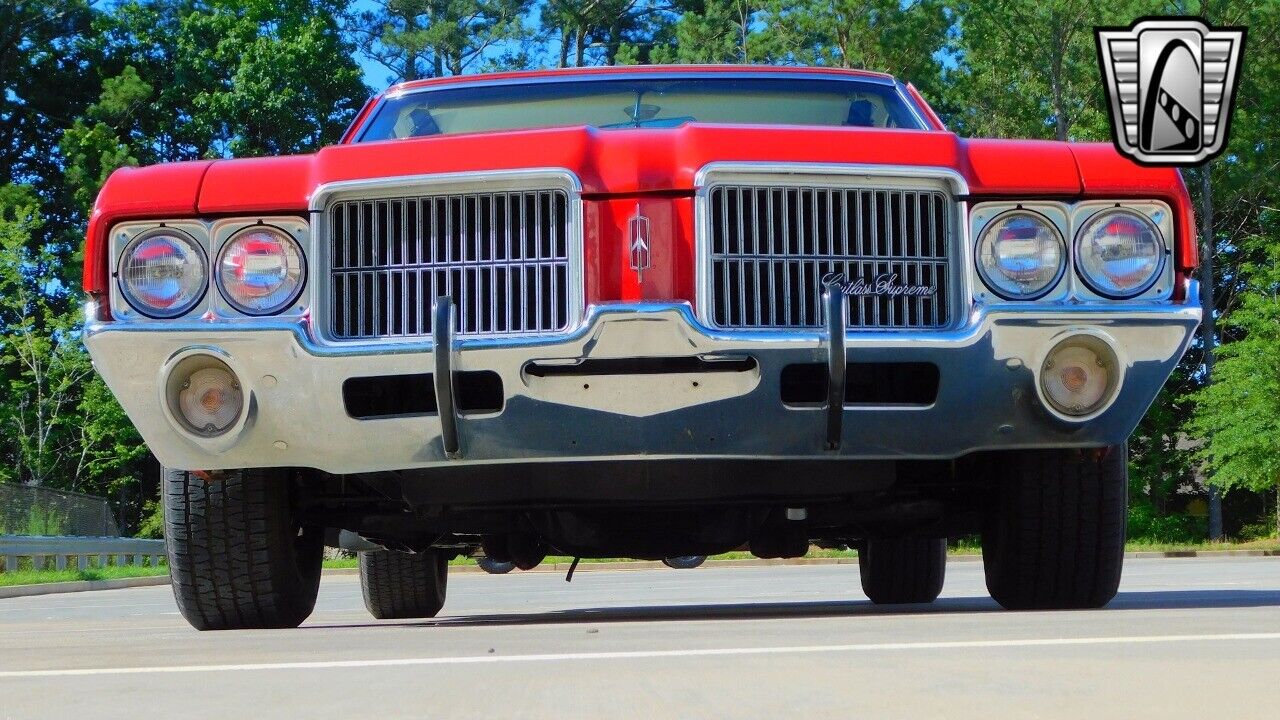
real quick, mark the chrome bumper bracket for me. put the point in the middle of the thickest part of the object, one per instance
(837, 319)
(442, 338)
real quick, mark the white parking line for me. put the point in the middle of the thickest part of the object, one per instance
(640, 654)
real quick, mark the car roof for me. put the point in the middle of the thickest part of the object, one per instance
(615, 71)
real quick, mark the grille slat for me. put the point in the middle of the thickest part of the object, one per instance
(773, 250)
(503, 257)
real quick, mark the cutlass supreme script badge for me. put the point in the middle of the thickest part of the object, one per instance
(885, 284)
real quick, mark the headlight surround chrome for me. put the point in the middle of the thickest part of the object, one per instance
(1021, 255)
(261, 270)
(1119, 253)
(163, 273)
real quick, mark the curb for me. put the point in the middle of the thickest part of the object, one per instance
(14, 591)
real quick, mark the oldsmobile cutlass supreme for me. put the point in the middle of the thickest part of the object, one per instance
(643, 312)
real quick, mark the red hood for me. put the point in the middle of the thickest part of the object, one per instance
(611, 162)
(625, 162)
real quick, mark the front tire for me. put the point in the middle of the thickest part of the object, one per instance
(897, 571)
(238, 557)
(1054, 538)
(400, 585)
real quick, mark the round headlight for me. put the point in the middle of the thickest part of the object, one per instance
(1021, 256)
(1119, 253)
(260, 270)
(163, 273)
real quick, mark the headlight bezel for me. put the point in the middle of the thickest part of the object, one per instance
(225, 244)
(1069, 216)
(1088, 220)
(211, 235)
(129, 303)
(985, 232)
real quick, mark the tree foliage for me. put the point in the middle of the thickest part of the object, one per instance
(40, 355)
(1238, 414)
(88, 90)
(414, 39)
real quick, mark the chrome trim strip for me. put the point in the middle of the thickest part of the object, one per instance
(464, 181)
(571, 76)
(702, 177)
(916, 111)
(1032, 314)
(395, 93)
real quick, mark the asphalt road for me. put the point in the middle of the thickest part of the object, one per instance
(1194, 638)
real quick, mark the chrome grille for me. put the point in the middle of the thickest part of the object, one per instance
(502, 256)
(772, 249)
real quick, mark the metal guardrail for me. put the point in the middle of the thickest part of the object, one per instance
(126, 551)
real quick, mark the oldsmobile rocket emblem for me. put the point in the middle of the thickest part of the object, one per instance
(1170, 86)
(638, 236)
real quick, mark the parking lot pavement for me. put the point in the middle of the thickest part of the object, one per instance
(1185, 638)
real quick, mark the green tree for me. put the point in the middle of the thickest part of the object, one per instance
(92, 146)
(280, 76)
(1028, 68)
(46, 81)
(40, 353)
(1230, 190)
(238, 77)
(1238, 414)
(609, 32)
(432, 38)
(142, 81)
(901, 38)
(720, 31)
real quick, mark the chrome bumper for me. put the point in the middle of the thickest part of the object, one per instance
(987, 396)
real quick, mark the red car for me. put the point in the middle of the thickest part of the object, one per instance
(645, 312)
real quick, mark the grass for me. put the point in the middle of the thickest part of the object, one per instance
(1145, 546)
(37, 577)
(962, 547)
(34, 577)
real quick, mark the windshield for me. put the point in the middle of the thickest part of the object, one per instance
(636, 103)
